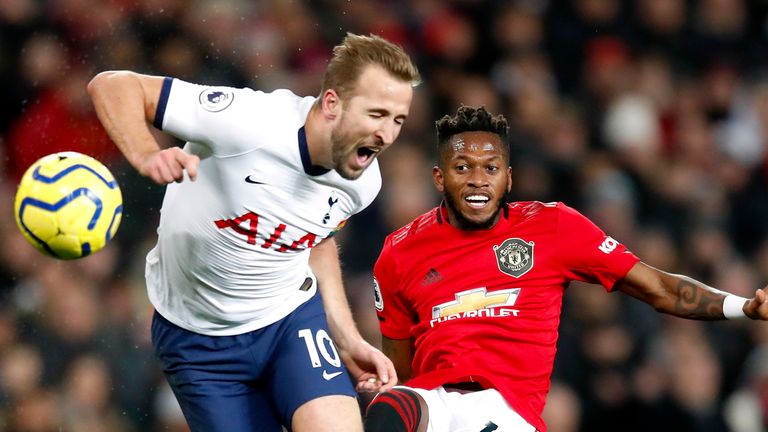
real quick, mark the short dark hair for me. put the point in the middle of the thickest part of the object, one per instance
(470, 119)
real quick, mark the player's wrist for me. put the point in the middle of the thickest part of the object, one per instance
(349, 341)
(344, 334)
(733, 307)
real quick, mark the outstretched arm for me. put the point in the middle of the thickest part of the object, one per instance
(126, 102)
(688, 298)
(369, 367)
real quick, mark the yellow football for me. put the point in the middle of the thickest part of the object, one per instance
(68, 205)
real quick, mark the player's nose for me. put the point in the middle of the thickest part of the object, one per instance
(386, 134)
(478, 178)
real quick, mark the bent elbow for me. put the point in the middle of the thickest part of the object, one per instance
(97, 81)
(101, 80)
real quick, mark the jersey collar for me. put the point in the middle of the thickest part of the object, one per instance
(313, 170)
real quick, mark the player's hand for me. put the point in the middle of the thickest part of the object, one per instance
(168, 165)
(757, 307)
(370, 368)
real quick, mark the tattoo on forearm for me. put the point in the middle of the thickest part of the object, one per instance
(697, 302)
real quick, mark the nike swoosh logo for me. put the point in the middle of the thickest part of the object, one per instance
(330, 376)
(252, 181)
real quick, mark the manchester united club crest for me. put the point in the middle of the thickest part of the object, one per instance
(514, 256)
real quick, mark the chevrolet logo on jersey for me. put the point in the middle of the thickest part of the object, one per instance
(475, 300)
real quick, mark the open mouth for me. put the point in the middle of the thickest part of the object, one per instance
(477, 200)
(365, 154)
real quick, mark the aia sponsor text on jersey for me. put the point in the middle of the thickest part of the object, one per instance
(248, 223)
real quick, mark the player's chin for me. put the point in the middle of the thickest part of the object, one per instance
(349, 173)
(479, 218)
(353, 168)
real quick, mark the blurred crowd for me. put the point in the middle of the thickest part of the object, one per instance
(648, 116)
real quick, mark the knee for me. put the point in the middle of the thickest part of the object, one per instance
(398, 410)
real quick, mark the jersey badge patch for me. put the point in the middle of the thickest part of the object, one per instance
(514, 256)
(378, 300)
(215, 99)
(333, 199)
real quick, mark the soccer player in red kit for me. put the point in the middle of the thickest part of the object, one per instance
(469, 294)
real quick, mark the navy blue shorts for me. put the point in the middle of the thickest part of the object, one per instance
(254, 381)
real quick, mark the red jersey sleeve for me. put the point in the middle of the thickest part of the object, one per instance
(587, 253)
(394, 316)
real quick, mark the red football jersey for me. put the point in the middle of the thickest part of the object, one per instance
(485, 305)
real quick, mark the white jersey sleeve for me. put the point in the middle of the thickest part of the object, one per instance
(211, 116)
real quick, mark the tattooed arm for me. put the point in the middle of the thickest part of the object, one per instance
(684, 297)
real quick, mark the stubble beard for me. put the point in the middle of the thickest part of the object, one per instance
(465, 224)
(340, 155)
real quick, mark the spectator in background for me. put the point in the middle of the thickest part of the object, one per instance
(62, 119)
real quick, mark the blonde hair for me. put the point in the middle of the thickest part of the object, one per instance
(356, 52)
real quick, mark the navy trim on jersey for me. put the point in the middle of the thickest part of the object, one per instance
(162, 103)
(313, 170)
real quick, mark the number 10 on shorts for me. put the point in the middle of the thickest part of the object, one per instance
(320, 345)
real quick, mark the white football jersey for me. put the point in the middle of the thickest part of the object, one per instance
(233, 246)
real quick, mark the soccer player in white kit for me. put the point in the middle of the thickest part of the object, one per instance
(240, 326)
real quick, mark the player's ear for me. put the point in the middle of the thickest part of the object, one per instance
(509, 179)
(437, 176)
(331, 103)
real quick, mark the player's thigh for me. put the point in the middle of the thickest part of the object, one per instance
(490, 410)
(336, 413)
(222, 408)
(306, 365)
(470, 411)
(210, 377)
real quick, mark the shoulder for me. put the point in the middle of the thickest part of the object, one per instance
(224, 101)
(413, 230)
(527, 209)
(286, 97)
(405, 245)
(552, 215)
(219, 91)
(277, 102)
(274, 117)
